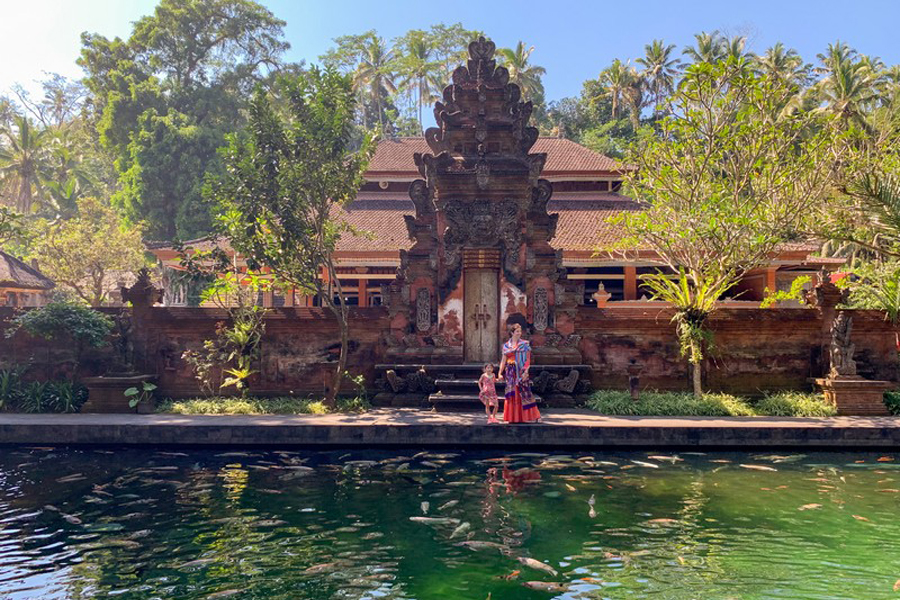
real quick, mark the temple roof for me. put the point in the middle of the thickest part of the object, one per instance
(16, 274)
(564, 157)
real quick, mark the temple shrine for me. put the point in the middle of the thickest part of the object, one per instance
(482, 222)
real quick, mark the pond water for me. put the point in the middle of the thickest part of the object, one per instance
(144, 524)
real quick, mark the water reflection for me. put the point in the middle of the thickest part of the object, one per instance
(288, 524)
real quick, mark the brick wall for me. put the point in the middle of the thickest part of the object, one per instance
(756, 349)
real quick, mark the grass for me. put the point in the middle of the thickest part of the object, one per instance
(684, 404)
(282, 405)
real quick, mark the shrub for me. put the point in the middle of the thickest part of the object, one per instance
(780, 404)
(892, 400)
(282, 405)
(84, 325)
(794, 404)
(10, 386)
(50, 397)
(615, 402)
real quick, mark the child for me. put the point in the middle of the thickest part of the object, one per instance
(488, 393)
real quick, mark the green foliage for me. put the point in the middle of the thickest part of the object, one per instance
(62, 320)
(10, 386)
(877, 287)
(285, 405)
(614, 402)
(45, 397)
(283, 181)
(693, 302)
(143, 394)
(89, 253)
(167, 158)
(163, 100)
(781, 404)
(798, 287)
(794, 404)
(892, 401)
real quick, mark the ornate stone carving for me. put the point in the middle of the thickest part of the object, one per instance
(423, 309)
(480, 187)
(541, 309)
(566, 385)
(842, 348)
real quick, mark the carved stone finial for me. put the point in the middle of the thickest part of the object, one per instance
(142, 294)
(842, 348)
(482, 49)
(826, 294)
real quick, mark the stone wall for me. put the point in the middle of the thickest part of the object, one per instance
(299, 350)
(756, 349)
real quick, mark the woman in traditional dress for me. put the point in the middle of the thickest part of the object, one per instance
(519, 405)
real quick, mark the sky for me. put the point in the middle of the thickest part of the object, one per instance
(573, 40)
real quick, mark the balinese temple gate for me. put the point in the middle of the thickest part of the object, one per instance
(481, 257)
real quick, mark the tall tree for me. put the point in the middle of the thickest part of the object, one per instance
(372, 65)
(90, 253)
(849, 86)
(23, 155)
(724, 186)
(167, 95)
(284, 181)
(522, 72)
(418, 69)
(707, 48)
(660, 69)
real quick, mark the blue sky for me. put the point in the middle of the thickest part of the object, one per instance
(573, 40)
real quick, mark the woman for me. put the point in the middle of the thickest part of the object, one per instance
(519, 405)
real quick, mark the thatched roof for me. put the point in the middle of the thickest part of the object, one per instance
(16, 274)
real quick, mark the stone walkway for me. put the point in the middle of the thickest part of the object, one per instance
(411, 427)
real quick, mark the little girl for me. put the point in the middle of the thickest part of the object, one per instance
(488, 393)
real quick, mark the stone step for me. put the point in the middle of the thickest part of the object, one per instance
(447, 385)
(457, 402)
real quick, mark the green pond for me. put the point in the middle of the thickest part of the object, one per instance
(147, 524)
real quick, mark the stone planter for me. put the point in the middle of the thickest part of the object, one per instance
(107, 394)
(855, 395)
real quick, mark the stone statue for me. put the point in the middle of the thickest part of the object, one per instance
(842, 348)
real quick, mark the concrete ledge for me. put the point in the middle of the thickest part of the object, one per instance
(409, 427)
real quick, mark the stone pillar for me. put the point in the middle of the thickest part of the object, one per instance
(142, 296)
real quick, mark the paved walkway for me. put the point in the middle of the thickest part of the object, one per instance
(411, 427)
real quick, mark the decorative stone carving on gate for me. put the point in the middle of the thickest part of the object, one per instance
(541, 309)
(423, 309)
(480, 188)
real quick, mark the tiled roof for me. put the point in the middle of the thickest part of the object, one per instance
(383, 219)
(583, 224)
(16, 274)
(563, 156)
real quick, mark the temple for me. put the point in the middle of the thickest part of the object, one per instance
(481, 222)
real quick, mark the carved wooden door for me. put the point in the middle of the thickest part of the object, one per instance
(482, 307)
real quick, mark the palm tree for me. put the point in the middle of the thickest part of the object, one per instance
(850, 85)
(615, 79)
(708, 48)
(374, 76)
(623, 84)
(527, 76)
(784, 65)
(419, 71)
(22, 160)
(660, 70)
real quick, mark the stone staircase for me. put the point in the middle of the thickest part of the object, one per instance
(447, 388)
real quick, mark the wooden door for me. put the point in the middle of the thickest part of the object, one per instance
(482, 310)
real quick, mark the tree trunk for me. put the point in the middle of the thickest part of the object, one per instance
(697, 377)
(341, 313)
